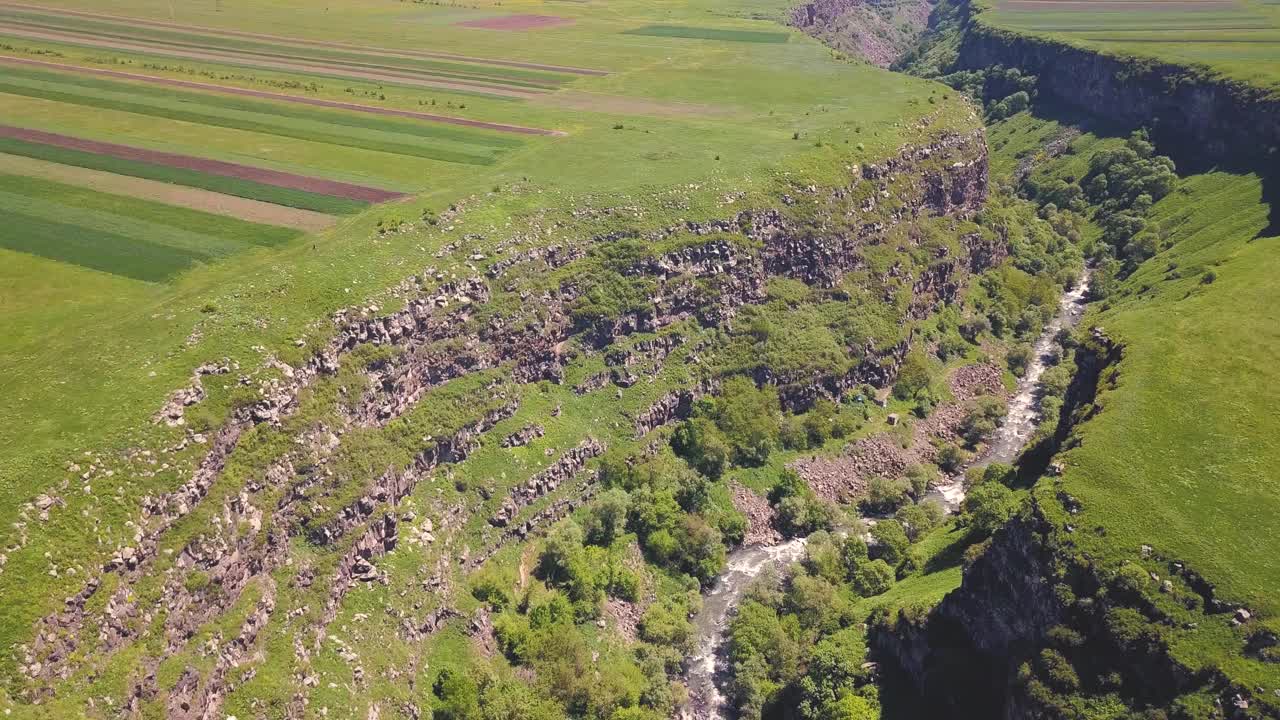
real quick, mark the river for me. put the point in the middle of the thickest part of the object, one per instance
(707, 669)
(1024, 407)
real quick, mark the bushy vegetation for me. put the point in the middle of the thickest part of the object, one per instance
(1117, 191)
(797, 646)
(669, 507)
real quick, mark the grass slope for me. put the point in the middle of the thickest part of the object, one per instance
(1183, 456)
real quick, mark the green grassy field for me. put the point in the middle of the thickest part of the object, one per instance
(668, 135)
(1237, 38)
(1202, 346)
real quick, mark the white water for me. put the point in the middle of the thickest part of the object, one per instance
(1024, 408)
(707, 667)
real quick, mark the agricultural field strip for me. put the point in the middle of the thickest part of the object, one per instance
(214, 167)
(316, 102)
(261, 121)
(237, 187)
(683, 32)
(255, 212)
(195, 232)
(317, 43)
(235, 60)
(93, 248)
(79, 75)
(488, 75)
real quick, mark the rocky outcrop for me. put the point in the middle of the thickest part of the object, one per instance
(547, 481)
(962, 656)
(392, 486)
(672, 406)
(879, 31)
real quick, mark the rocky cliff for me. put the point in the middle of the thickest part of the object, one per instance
(1203, 116)
(878, 31)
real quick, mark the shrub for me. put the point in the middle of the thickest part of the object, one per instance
(702, 444)
(890, 542)
(920, 477)
(885, 495)
(920, 518)
(983, 417)
(873, 578)
(988, 507)
(666, 623)
(489, 589)
(950, 457)
(607, 517)
(750, 418)
(799, 515)
(913, 377)
(1018, 359)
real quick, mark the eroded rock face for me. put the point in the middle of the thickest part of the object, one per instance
(879, 31)
(547, 481)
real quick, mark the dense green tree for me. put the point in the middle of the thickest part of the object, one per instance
(920, 518)
(749, 418)
(987, 507)
(607, 517)
(701, 443)
(457, 696)
(890, 542)
(873, 578)
(885, 495)
(913, 377)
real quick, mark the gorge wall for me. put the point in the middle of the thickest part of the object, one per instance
(1203, 116)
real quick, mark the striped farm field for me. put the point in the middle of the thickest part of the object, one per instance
(189, 171)
(319, 68)
(252, 211)
(444, 144)
(19, 10)
(535, 77)
(283, 97)
(1237, 38)
(120, 235)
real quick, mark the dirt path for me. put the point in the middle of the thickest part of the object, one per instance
(193, 198)
(192, 85)
(388, 52)
(288, 66)
(277, 178)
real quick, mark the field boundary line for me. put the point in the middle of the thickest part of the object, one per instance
(264, 176)
(317, 102)
(394, 52)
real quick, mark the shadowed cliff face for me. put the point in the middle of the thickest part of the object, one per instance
(1196, 118)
